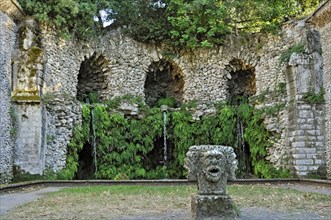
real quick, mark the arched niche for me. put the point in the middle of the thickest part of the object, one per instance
(243, 82)
(241, 86)
(164, 80)
(92, 77)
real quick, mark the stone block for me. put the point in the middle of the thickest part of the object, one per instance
(305, 114)
(310, 120)
(319, 144)
(298, 144)
(310, 156)
(312, 168)
(301, 120)
(313, 132)
(307, 138)
(318, 161)
(299, 156)
(302, 173)
(304, 151)
(320, 138)
(212, 207)
(301, 168)
(304, 162)
(307, 126)
(304, 106)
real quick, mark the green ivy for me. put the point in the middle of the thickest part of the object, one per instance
(286, 55)
(314, 98)
(81, 135)
(126, 144)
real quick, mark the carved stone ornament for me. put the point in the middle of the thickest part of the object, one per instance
(211, 166)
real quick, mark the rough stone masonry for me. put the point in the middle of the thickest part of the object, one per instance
(44, 83)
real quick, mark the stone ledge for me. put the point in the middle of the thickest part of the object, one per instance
(26, 99)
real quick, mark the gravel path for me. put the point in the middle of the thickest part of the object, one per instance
(10, 201)
(323, 189)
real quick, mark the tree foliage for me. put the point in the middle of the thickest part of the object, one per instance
(203, 23)
(70, 17)
(186, 23)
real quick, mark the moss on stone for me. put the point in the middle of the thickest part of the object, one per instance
(21, 37)
(25, 98)
(22, 91)
(34, 54)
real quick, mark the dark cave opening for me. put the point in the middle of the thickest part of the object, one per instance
(163, 80)
(155, 158)
(242, 84)
(85, 163)
(92, 77)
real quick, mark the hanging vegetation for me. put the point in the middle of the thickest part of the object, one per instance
(127, 146)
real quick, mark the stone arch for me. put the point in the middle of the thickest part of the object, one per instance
(164, 79)
(242, 82)
(92, 77)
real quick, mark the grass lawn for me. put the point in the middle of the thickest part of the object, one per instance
(104, 202)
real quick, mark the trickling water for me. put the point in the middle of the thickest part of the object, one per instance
(240, 135)
(242, 149)
(94, 142)
(165, 139)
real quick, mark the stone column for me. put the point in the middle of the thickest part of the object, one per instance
(26, 93)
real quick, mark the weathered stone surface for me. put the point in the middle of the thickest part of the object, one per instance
(212, 207)
(63, 113)
(29, 146)
(117, 66)
(211, 166)
(7, 39)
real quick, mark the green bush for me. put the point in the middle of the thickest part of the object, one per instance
(314, 98)
(125, 145)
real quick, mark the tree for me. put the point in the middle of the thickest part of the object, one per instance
(143, 20)
(71, 17)
(180, 23)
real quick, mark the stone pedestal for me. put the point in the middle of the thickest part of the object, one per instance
(212, 207)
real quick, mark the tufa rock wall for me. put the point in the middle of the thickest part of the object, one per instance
(51, 74)
(7, 128)
(209, 76)
(125, 65)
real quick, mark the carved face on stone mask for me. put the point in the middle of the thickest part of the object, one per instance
(213, 165)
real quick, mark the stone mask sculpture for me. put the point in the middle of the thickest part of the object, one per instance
(211, 166)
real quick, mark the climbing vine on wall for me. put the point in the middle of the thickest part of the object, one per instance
(125, 143)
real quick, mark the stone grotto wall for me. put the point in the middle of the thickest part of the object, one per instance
(7, 39)
(208, 77)
(51, 75)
